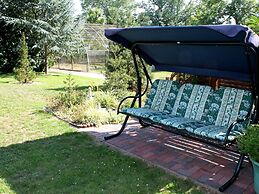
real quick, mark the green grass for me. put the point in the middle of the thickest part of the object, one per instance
(41, 154)
(160, 74)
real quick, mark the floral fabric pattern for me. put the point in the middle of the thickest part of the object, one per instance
(140, 112)
(197, 109)
(162, 95)
(190, 101)
(209, 131)
(225, 105)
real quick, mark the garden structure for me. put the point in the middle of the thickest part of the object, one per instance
(214, 116)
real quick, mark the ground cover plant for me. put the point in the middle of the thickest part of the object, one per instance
(85, 107)
(41, 154)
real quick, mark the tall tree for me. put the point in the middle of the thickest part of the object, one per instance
(253, 22)
(241, 10)
(166, 12)
(49, 24)
(209, 12)
(24, 73)
(116, 12)
(223, 11)
(95, 15)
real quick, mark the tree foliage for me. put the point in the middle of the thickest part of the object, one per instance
(24, 73)
(209, 12)
(95, 15)
(253, 22)
(119, 69)
(241, 10)
(119, 13)
(49, 24)
(221, 11)
(166, 12)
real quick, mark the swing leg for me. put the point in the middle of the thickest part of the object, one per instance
(235, 175)
(120, 131)
(143, 124)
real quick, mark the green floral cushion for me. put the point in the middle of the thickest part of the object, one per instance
(225, 105)
(162, 95)
(140, 112)
(175, 121)
(190, 101)
(208, 131)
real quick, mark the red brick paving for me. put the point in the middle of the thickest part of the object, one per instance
(198, 161)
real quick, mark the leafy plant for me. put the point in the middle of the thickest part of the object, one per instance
(184, 78)
(73, 105)
(24, 73)
(249, 143)
(90, 114)
(120, 72)
(253, 22)
(71, 96)
(106, 100)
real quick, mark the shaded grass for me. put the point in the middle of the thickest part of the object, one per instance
(73, 163)
(40, 154)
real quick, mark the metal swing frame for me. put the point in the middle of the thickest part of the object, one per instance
(253, 115)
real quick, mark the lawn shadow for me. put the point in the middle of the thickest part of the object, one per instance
(49, 165)
(5, 75)
(81, 88)
(74, 163)
(63, 88)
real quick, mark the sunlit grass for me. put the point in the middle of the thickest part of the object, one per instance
(41, 154)
(160, 74)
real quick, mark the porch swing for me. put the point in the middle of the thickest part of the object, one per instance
(216, 117)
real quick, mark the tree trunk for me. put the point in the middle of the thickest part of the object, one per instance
(72, 62)
(88, 63)
(46, 58)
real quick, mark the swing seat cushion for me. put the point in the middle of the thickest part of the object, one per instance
(195, 109)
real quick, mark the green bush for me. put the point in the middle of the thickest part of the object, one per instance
(120, 71)
(249, 143)
(24, 73)
(89, 113)
(74, 106)
(106, 100)
(70, 97)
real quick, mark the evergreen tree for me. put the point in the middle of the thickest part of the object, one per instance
(24, 73)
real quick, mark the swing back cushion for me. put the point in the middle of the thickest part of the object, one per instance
(195, 109)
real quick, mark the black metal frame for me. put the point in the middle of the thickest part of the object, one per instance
(253, 114)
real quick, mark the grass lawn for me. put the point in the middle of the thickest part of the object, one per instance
(160, 74)
(40, 154)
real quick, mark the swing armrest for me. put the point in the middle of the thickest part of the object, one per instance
(128, 97)
(239, 120)
(134, 98)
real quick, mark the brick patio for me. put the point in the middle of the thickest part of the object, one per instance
(183, 157)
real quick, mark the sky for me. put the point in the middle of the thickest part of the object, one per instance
(77, 7)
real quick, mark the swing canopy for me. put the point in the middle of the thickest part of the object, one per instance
(223, 51)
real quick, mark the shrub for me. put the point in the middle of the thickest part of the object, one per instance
(106, 100)
(73, 105)
(89, 113)
(70, 97)
(24, 73)
(249, 143)
(120, 71)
